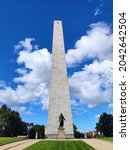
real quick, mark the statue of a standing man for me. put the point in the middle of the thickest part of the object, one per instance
(61, 120)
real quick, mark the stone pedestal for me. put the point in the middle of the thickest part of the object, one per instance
(61, 133)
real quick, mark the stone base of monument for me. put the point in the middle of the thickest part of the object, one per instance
(61, 133)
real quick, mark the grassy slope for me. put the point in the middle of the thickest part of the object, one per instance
(107, 138)
(60, 145)
(6, 140)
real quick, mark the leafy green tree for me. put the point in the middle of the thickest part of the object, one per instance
(11, 123)
(105, 124)
(32, 133)
(77, 134)
(39, 129)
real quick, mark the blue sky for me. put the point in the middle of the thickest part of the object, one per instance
(25, 57)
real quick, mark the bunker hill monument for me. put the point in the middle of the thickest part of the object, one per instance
(59, 114)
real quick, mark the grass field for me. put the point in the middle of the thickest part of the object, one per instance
(60, 145)
(107, 138)
(6, 140)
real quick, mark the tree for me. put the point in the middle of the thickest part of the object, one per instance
(11, 123)
(77, 134)
(29, 127)
(105, 124)
(40, 129)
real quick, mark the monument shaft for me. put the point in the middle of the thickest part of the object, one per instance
(59, 101)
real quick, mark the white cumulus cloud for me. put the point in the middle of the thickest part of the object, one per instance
(97, 43)
(93, 84)
(90, 86)
(22, 109)
(34, 77)
(25, 45)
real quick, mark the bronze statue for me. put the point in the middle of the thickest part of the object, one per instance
(61, 120)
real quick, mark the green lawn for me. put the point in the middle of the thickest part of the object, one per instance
(6, 140)
(60, 145)
(107, 138)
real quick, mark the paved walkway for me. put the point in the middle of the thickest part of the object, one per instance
(99, 144)
(18, 145)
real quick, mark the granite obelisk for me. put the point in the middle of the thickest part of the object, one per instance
(59, 100)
